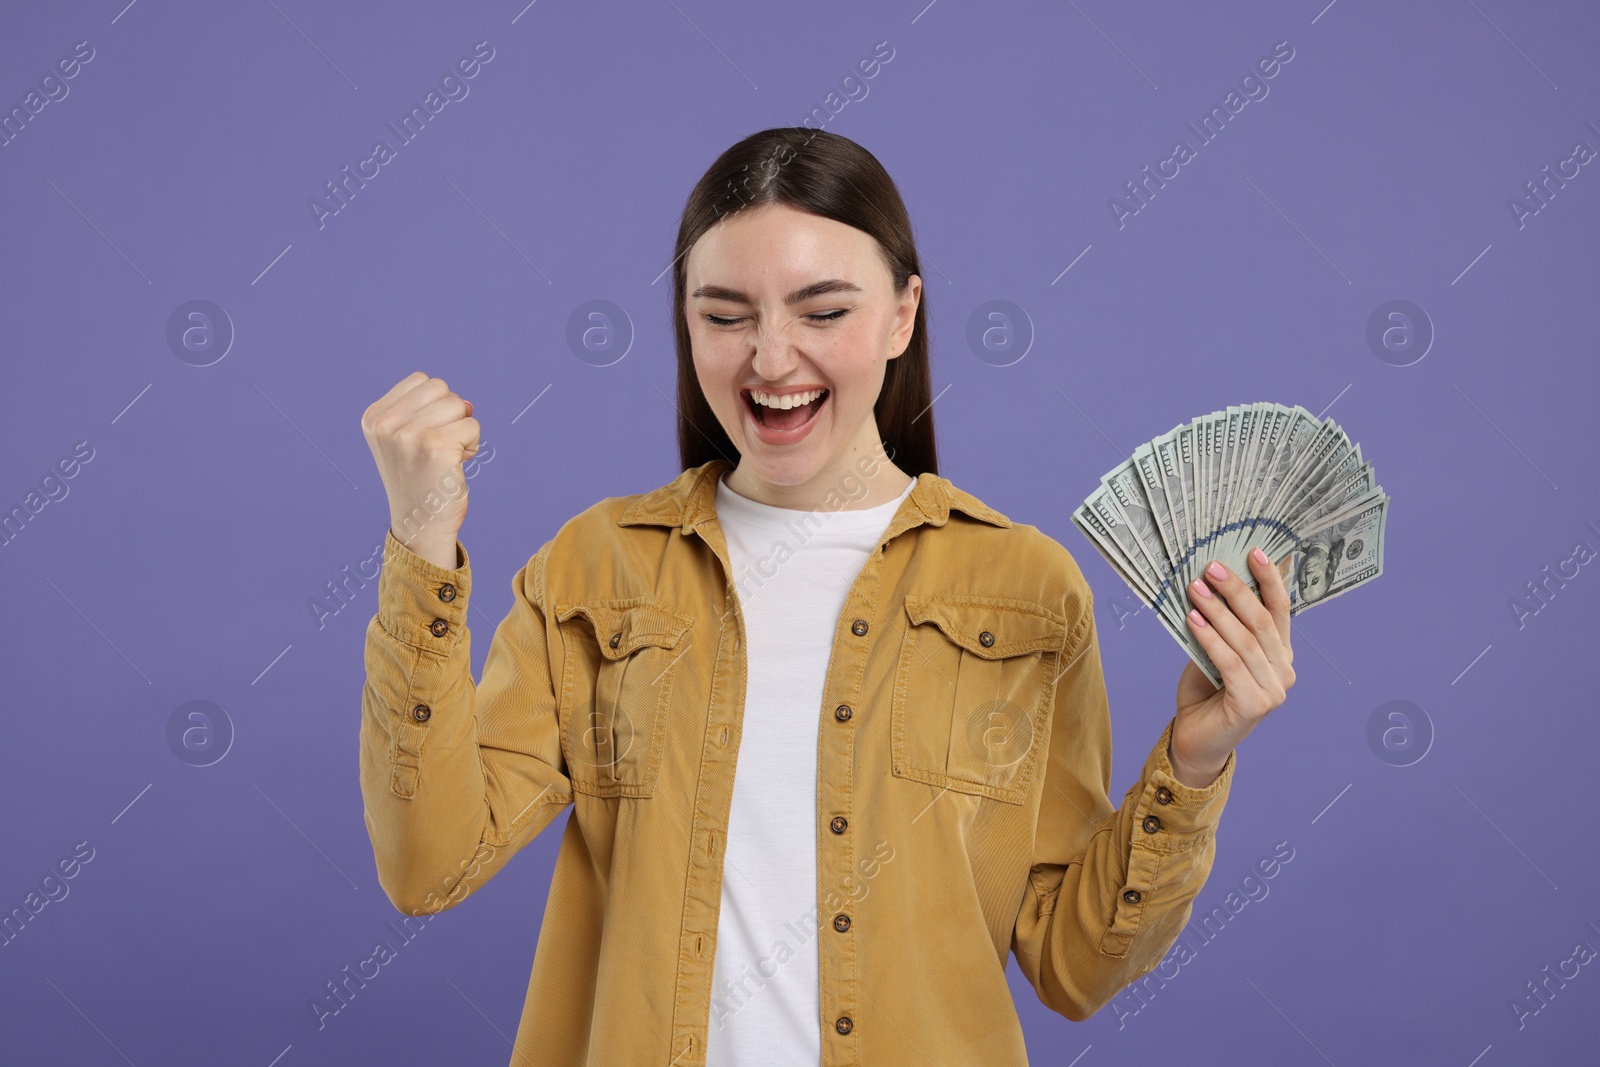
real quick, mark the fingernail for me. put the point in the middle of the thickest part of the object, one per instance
(1202, 588)
(1261, 557)
(1217, 570)
(1197, 618)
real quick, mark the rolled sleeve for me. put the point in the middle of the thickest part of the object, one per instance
(1109, 889)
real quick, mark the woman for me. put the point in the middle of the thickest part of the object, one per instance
(834, 732)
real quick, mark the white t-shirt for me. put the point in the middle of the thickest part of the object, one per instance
(792, 571)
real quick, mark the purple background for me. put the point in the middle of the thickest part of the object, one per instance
(220, 499)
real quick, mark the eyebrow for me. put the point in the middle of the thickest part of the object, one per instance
(831, 285)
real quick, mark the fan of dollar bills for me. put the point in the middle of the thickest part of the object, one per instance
(1252, 474)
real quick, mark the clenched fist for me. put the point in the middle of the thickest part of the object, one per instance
(421, 434)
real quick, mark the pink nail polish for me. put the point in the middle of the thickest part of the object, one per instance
(1197, 618)
(1217, 570)
(1261, 557)
(1201, 588)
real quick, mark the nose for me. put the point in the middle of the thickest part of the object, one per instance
(774, 351)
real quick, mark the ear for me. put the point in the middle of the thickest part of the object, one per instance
(905, 317)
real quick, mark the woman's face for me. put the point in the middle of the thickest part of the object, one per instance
(787, 303)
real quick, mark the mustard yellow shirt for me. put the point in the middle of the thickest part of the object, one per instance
(964, 769)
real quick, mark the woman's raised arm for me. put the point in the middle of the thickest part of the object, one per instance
(456, 776)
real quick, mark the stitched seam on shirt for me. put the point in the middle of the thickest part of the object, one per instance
(503, 839)
(1190, 843)
(688, 870)
(399, 730)
(390, 627)
(427, 674)
(1200, 797)
(1133, 921)
(1080, 627)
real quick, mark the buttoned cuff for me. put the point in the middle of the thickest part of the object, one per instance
(1171, 816)
(419, 603)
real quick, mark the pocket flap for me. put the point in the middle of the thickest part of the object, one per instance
(622, 627)
(1013, 626)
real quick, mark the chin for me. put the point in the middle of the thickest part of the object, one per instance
(786, 470)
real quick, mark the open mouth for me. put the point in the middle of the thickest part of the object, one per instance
(783, 420)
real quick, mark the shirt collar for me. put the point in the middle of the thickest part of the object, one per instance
(690, 499)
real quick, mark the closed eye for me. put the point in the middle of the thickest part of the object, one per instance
(827, 316)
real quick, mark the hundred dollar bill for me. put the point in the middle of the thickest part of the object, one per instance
(1335, 558)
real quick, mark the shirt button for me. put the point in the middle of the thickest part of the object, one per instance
(859, 627)
(439, 627)
(421, 712)
(1163, 795)
(1132, 896)
(843, 1024)
(841, 922)
(986, 639)
(842, 713)
(447, 592)
(616, 639)
(1151, 824)
(838, 824)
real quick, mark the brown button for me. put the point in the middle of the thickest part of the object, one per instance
(1163, 795)
(859, 627)
(986, 639)
(841, 922)
(1151, 824)
(439, 627)
(616, 639)
(842, 713)
(421, 712)
(838, 824)
(1132, 896)
(843, 1024)
(447, 592)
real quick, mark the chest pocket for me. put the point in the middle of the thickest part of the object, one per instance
(972, 692)
(622, 656)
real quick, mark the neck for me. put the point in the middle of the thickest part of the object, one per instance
(822, 491)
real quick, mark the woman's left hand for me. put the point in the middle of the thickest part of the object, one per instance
(1247, 639)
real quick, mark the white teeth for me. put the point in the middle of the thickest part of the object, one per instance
(785, 402)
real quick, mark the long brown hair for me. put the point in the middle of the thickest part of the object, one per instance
(828, 175)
